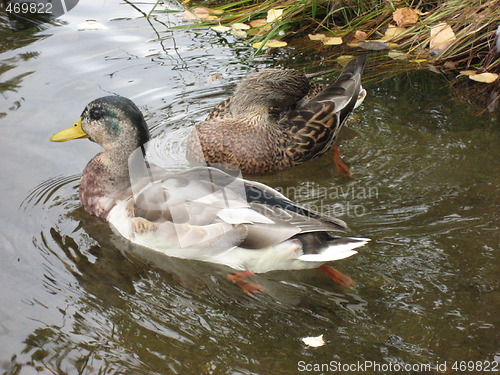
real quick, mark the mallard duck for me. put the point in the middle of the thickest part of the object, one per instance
(203, 213)
(277, 119)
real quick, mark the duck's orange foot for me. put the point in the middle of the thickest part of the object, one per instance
(337, 276)
(339, 163)
(249, 287)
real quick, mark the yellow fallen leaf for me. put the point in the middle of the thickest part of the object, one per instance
(188, 15)
(418, 61)
(405, 17)
(240, 26)
(199, 13)
(274, 15)
(332, 41)
(202, 10)
(396, 55)
(316, 36)
(360, 35)
(442, 36)
(258, 22)
(392, 32)
(314, 342)
(484, 77)
(221, 29)
(271, 43)
(344, 59)
(468, 72)
(239, 33)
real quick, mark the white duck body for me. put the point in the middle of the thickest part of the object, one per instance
(208, 215)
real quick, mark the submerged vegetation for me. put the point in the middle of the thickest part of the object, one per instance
(459, 37)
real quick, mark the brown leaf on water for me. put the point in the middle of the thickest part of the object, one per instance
(405, 17)
(442, 36)
(271, 43)
(360, 35)
(344, 59)
(316, 36)
(188, 15)
(392, 32)
(332, 41)
(397, 55)
(481, 77)
(258, 23)
(274, 15)
(216, 12)
(240, 26)
(374, 45)
(221, 29)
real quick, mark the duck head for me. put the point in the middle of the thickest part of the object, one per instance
(114, 122)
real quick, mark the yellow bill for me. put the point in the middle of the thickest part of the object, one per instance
(73, 132)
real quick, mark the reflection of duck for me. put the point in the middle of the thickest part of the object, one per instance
(277, 119)
(202, 213)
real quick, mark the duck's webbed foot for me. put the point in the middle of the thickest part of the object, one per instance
(249, 287)
(339, 163)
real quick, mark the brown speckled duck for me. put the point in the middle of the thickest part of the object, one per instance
(202, 213)
(277, 119)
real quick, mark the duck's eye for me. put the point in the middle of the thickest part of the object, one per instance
(96, 114)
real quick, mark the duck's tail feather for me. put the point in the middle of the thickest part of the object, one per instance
(336, 248)
(345, 91)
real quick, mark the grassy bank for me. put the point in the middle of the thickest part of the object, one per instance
(457, 37)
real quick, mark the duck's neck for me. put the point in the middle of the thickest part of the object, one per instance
(104, 181)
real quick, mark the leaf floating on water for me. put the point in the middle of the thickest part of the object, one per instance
(314, 342)
(271, 43)
(332, 41)
(221, 29)
(238, 29)
(483, 77)
(240, 26)
(316, 36)
(344, 59)
(392, 32)
(91, 25)
(239, 33)
(405, 17)
(201, 13)
(396, 55)
(360, 35)
(274, 15)
(188, 15)
(374, 45)
(258, 22)
(200, 10)
(442, 36)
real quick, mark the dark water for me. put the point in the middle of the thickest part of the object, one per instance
(76, 299)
